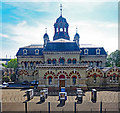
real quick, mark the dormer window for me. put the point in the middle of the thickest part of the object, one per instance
(86, 51)
(36, 51)
(97, 51)
(25, 52)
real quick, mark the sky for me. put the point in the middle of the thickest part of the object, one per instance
(24, 23)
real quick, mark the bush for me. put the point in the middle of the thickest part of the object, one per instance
(5, 79)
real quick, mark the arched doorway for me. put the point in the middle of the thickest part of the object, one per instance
(61, 81)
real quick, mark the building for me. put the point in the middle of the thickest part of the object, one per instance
(65, 63)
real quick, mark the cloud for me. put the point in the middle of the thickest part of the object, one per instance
(3, 35)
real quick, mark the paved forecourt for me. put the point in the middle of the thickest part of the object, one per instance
(12, 100)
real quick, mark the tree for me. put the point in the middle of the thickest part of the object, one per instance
(11, 64)
(13, 77)
(5, 79)
(113, 59)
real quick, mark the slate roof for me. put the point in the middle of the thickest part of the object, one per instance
(30, 52)
(61, 47)
(92, 51)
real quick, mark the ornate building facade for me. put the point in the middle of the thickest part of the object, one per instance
(65, 63)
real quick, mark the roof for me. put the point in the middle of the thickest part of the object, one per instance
(61, 40)
(45, 35)
(30, 51)
(34, 46)
(92, 51)
(61, 47)
(61, 19)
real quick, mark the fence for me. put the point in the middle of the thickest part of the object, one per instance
(52, 107)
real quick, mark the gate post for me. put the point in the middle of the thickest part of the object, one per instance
(75, 107)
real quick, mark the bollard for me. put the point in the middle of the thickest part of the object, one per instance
(101, 107)
(75, 107)
(48, 107)
(91, 110)
(25, 107)
(105, 110)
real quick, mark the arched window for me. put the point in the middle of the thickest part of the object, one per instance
(85, 62)
(74, 61)
(49, 61)
(117, 79)
(94, 78)
(97, 63)
(61, 29)
(25, 64)
(114, 78)
(91, 63)
(69, 61)
(110, 78)
(61, 60)
(64, 29)
(36, 51)
(24, 51)
(50, 80)
(57, 29)
(31, 64)
(74, 80)
(54, 61)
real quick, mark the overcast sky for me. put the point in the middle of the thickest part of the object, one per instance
(24, 23)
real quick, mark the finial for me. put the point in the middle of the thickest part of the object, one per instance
(60, 9)
(76, 29)
(45, 30)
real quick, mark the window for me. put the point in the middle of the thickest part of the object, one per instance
(74, 80)
(36, 51)
(61, 60)
(50, 80)
(110, 78)
(57, 29)
(74, 61)
(86, 51)
(97, 51)
(113, 78)
(61, 29)
(85, 62)
(69, 61)
(91, 63)
(94, 78)
(117, 79)
(54, 61)
(25, 52)
(64, 29)
(25, 64)
(97, 63)
(49, 61)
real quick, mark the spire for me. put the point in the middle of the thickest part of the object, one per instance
(60, 9)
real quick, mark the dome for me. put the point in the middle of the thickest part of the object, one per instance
(61, 19)
(77, 35)
(45, 35)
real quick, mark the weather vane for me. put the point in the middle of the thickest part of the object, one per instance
(76, 29)
(61, 9)
(45, 30)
